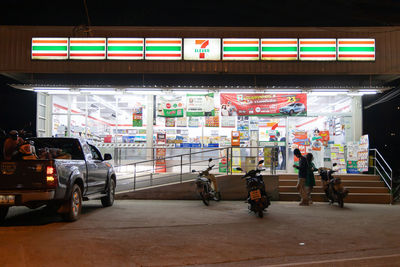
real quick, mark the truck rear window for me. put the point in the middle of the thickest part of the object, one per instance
(61, 146)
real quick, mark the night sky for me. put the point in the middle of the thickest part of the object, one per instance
(381, 121)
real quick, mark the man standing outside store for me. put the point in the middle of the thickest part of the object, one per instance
(302, 177)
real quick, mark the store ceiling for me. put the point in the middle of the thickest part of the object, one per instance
(206, 81)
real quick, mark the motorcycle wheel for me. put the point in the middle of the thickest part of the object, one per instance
(205, 196)
(340, 201)
(260, 213)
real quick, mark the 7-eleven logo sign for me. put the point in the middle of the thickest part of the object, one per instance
(202, 49)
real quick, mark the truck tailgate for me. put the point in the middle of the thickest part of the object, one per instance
(24, 174)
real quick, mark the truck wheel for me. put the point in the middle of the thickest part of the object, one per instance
(74, 205)
(3, 213)
(108, 200)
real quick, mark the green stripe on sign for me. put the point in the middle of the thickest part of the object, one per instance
(125, 48)
(50, 48)
(87, 48)
(238, 48)
(318, 49)
(355, 49)
(163, 48)
(279, 48)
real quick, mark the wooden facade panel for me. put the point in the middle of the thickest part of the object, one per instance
(15, 51)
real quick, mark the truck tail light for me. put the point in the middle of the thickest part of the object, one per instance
(51, 176)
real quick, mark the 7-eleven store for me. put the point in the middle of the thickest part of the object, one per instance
(139, 88)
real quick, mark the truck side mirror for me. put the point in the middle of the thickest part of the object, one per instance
(107, 156)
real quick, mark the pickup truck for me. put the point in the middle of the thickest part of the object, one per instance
(74, 171)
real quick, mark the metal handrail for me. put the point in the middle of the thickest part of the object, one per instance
(374, 149)
(152, 170)
(377, 163)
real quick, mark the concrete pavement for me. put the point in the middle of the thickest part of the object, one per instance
(187, 233)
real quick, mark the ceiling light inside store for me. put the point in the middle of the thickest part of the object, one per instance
(56, 91)
(282, 91)
(100, 91)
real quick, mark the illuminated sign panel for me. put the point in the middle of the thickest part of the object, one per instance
(356, 49)
(87, 48)
(317, 49)
(279, 49)
(125, 48)
(50, 48)
(240, 49)
(202, 49)
(163, 49)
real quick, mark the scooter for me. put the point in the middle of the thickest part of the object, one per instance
(257, 199)
(203, 185)
(333, 187)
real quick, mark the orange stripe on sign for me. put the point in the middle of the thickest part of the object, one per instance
(240, 42)
(49, 42)
(163, 42)
(86, 42)
(279, 42)
(317, 42)
(125, 42)
(356, 42)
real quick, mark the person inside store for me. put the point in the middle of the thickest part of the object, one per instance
(11, 145)
(302, 177)
(310, 180)
(282, 151)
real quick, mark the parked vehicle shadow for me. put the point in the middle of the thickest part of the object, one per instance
(22, 216)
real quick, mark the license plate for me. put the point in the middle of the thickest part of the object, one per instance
(256, 194)
(7, 199)
(8, 168)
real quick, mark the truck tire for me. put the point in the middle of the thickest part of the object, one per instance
(3, 213)
(73, 205)
(108, 200)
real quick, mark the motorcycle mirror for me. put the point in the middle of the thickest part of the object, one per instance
(210, 159)
(334, 164)
(239, 169)
(261, 162)
(193, 170)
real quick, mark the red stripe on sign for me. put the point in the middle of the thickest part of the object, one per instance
(241, 55)
(163, 55)
(279, 55)
(315, 55)
(349, 55)
(88, 55)
(48, 54)
(124, 55)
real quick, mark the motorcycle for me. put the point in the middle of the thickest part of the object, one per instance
(333, 187)
(203, 185)
(257, 199)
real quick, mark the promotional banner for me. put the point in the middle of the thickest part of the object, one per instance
(169, 122)
(199, 105)
(212, 121)
(263, 104)
(137, 117)
(363, 153)
(352, 157)
(202, 49)
(228, 122)
(337, 156)
(170, 106)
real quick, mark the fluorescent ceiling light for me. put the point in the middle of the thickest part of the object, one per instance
(50, 88)
(282, 91)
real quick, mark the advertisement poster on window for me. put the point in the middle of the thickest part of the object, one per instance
(137, 117)
(169, 122)
(181, 122)
(161, 164)
(228, 122)
(194, 122)
(212, 121)
(170, 106)
(352, 157)
(363, 153)
(337, 156)
(200, 105)
(263, 104)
